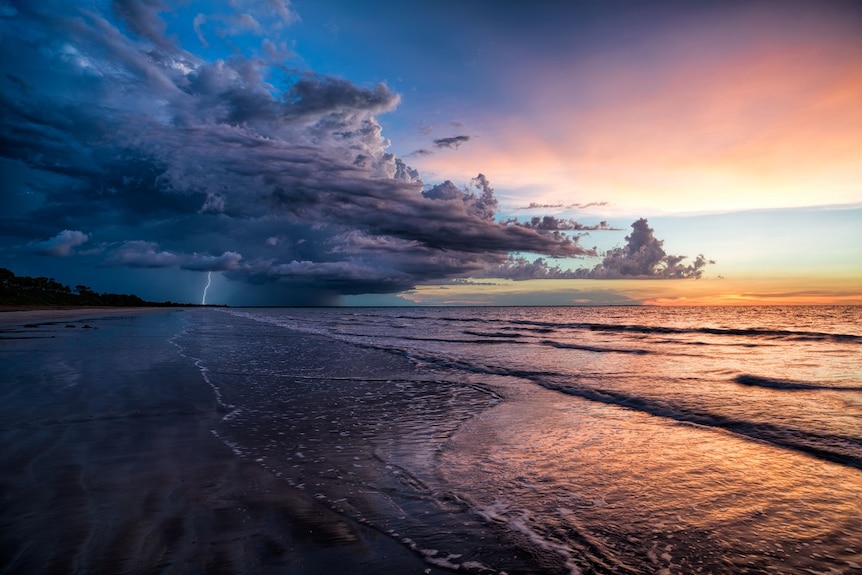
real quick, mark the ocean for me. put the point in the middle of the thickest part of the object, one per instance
(558, 439)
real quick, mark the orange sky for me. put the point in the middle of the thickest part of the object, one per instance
(741, 291)
(754, 108)
(775, 125)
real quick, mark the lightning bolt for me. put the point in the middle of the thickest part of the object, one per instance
(209, 281)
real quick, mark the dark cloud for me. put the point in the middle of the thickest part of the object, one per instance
(552, 223)
(141, 254)
(480, 202)
(522, 268)
(421, 152)
(62, 244)
(322, 95)
(161, 159)
(207, 263)
(142, 18)
(452, 142)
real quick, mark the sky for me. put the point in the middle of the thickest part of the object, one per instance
(329, 152)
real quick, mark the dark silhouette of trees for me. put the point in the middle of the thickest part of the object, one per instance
(25, 290)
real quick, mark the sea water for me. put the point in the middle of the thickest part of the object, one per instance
(559, 439)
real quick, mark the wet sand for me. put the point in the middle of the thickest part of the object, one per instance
(109, 464)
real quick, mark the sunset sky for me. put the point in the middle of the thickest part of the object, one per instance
(397, 153)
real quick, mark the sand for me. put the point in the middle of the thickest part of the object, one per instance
(12, 316)
(109, 465)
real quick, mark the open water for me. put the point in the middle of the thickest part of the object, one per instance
(559, 440)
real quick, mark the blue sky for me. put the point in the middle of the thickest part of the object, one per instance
(435, 152)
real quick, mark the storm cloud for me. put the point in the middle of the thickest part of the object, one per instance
(270, 174)
(60, 245)
(549, 223)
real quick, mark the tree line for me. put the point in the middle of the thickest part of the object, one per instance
(26, 290)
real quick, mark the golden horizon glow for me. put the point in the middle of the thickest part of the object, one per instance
(747, 291)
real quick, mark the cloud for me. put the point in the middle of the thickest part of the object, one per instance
(421, 152)
(553, 223)
(198, 25)
(142, 18)
(482, 205)
(214, 203)
(644, 257)
(248, 17)
(282, 9)
(453, 142)
(170, 159)
(141, 254)
(61, 245)
(207, 263)
(521, 268)
(144, 254)
(537, 206)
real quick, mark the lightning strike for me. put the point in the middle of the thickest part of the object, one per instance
(206, 287)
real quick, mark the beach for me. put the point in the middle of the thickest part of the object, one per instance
(559, 440)
(430, 440)
(109, 463)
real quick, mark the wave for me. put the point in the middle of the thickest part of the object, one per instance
(346, 336)
(845, 450)
(757, 333)
(559, 345)
(476, 341)
(747, 332)
(836, 449)
(786, 384)
(499, 334)
(833, 448)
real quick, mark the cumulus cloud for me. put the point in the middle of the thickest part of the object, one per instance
(644, 257)
(171, 160)
(62, 244)
(452, 142)
(480, 202)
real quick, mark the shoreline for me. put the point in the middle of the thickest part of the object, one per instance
(16, 315)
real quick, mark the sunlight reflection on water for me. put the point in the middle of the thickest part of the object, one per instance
(629, 492)
(611, 440)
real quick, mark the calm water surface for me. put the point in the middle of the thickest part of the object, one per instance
(560, 440)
